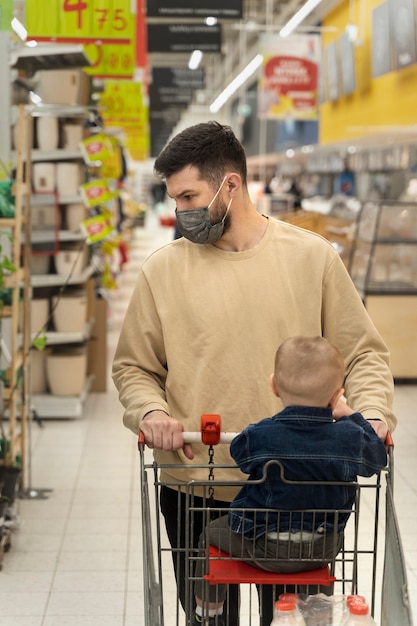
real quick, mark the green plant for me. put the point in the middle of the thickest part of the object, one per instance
(6, 266)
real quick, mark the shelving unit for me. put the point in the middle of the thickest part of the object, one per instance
(383, 266)
(50, 284)
(17, 344)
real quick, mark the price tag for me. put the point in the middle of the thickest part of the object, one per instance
(125, 105)
(137, 142)
(97, 228)
(97, 192)
(81, 20)
(110, 60)
(96, 149)
(124, 102)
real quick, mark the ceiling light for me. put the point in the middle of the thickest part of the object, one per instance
(236, 83)
(34, 98)
(19, 29)
(195, 59)
(211, 21)
(299, 17)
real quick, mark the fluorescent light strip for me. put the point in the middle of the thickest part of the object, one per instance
(195, 59)
(236, 83)
(296, 20)
(19, 29)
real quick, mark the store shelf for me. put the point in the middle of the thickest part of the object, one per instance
(16, 350)
(60, 154)
(56, 338)
(55, 280)
(75, 199)
(49, 406)
(49, 57)
(46, 236)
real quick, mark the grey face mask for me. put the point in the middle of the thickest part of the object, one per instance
(195, 224)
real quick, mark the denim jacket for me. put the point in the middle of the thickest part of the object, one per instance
(311, 446)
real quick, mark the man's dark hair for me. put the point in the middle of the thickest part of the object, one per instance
(210, 147)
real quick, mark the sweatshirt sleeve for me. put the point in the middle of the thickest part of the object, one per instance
(369, 386)
(373, 453)
(139, 366)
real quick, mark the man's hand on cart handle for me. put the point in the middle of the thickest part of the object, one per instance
(381, 430)
(342, 408)
(164, 433)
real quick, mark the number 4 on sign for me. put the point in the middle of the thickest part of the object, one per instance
(78, 7)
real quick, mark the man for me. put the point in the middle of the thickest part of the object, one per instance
(209, 309)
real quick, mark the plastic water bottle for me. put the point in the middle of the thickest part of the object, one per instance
(319, 610)
(299, 604)
(286, 613)
(359, 615)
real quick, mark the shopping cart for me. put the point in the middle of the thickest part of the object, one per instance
(353, 571)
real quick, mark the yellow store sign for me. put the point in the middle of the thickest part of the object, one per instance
(106, 28)
(81, 20)
(125, 106)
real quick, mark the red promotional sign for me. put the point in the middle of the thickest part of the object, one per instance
(294, 77)
(289, 84)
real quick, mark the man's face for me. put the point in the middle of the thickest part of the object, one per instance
(192, 192)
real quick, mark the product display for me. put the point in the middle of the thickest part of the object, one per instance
(384, 252)
(383, 266)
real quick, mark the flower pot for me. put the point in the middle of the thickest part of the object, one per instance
(47, 133)
(74, 215)
(70, 313)
(9, 481)
(44, 177)
(68, 179)
(66, 372)
(39, 264)
(72, 136)
(38, 382)
(65, 260)
(39, 312)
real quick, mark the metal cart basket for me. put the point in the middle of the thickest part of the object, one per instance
(357, 568)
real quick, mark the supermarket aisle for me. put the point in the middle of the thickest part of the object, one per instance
(76, 559)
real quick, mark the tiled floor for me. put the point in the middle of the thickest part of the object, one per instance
(76, 558)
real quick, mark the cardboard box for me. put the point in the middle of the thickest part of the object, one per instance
(69, 87)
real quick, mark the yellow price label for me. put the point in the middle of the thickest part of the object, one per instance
(81, 20)
(110, 60)
(137, 142)
(124, 101)
(125, 105)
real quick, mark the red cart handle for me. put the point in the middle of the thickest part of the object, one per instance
(210, 429)
(389, 441)
(210, 433)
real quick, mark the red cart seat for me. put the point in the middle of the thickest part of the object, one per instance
(223, 569)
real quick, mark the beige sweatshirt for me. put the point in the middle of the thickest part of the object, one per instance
(203, 326)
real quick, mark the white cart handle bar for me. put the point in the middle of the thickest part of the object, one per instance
(210, 433)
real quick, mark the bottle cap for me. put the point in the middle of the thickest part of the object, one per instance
(358, 608)
(285, 605)
(290, 597)
(355, 598)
